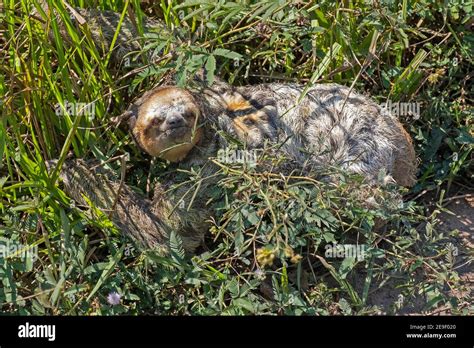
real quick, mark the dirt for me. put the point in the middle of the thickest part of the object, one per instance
(458, 214)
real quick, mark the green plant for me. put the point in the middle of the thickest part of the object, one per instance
(267, 244)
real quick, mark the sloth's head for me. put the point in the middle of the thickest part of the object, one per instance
(167, 125)
(251, 124)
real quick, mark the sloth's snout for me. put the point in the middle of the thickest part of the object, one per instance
(174, 121)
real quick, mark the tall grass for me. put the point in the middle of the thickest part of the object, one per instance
(407, 51)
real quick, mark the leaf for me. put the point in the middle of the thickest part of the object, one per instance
(346, 266)
(210, 69)
(3, 180)
(410, 77)
(176, 247)
(233, 287)
(436, 137)
(244, 303)
(345, 306)
(188, 3)
(463, 138)
(94, 268)
(251, 216)
(238, 241)
(344, 283)
(329, 237)
(227, 53)
(321, 18)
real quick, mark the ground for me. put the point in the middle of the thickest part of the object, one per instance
(457, 214)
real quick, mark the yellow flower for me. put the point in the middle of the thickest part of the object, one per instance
(296, 258)
(265, 256)
(434, 77)
(289, 252)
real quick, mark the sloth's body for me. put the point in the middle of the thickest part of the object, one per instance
(179, 125)
(328, 126)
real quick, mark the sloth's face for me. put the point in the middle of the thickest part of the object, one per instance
(167, 124)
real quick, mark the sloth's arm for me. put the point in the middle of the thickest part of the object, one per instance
(150, 224)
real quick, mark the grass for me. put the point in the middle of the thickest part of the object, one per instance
(266, 248)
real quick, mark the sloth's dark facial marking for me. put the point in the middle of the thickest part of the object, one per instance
(167, 124)
(251, 124)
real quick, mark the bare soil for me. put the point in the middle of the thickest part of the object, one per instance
(457, 215)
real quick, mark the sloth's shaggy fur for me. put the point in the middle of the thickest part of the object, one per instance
(329, 125)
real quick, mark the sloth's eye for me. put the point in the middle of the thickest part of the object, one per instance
(248, 122)
(157, 120)
(188, 114)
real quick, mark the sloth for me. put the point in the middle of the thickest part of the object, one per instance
(328, 126)
(325, 125)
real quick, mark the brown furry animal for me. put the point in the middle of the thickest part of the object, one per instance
(329, 126)
(179, 125)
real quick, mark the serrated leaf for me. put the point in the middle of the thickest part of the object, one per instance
(227, 53)
(210, 69)
(176, 247)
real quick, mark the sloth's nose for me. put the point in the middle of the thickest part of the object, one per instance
(174, 121)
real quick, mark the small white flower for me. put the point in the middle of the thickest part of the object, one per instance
(371, 201)
(260, 274)
(113, 298)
